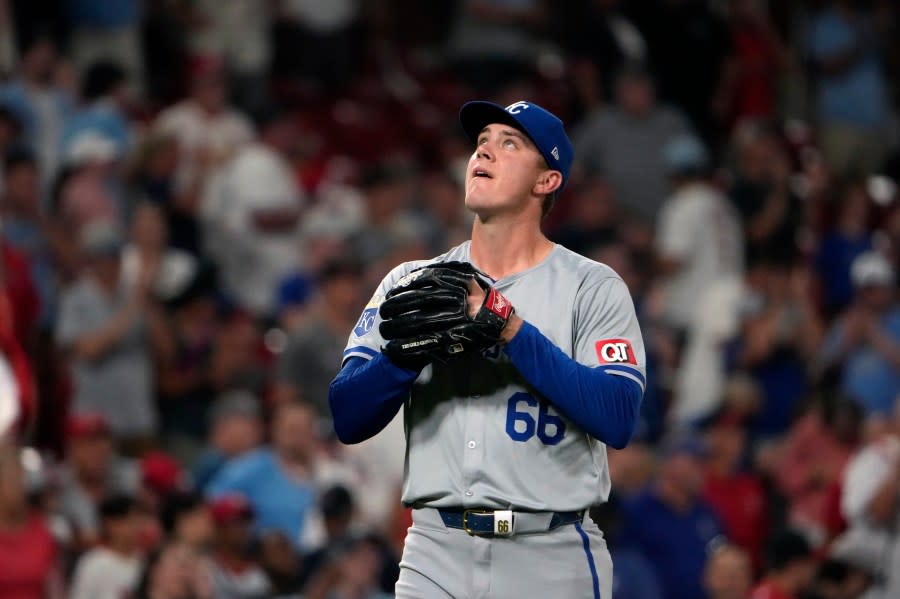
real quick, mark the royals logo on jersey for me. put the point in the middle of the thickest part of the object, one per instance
(615, 351)
(367, 318)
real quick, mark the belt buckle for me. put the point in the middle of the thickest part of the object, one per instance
(466, 528)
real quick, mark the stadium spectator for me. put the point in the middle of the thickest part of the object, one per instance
(207, 130)
(29, 556)
(235, 429)
(864, 342)
(671, 524)
(869, 500)
(791, 567)
(282, 564)
(175, 572)
(105, 112)
(780, 332)
(728, 573)
(770, 210)
(279, 480)
(234, 571)
(253, 230)
(733, 491)
(622, 143)
(92, 473)
(698, 233)
(104, 327)
(87, 191)
(40, 107)
(845, 44)
(186, 518)
(592, 221)
(816, 450)
(112, 569)
(841, 245)
(101, 31)
(26, 227)
(748, 90)
(303, 368)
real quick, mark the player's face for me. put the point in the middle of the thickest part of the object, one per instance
(502, 172)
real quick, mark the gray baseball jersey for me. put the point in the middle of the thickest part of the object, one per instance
(477, 434)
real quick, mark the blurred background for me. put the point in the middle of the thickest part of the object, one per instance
(197, 198)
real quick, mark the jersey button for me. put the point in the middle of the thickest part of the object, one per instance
(472, 444)
(469, 493)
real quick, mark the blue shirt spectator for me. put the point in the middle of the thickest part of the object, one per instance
(104, 91)
(671, 526)
(277, 481)
(103, 14)
(864, 343)
(857, 94)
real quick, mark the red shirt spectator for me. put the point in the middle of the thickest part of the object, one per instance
(737, 497)
(28, 557)
(19, 302)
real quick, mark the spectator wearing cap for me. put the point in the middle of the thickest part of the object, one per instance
(206, 129)
(863, 345)
(791, 568)
(91, 473)
(622, 144)
(698, 233)
(87, 188)
(305, 368)
(235, 571)
(253, 230)
(105, 329)
(29, 556)
(104, 91)
(671, 524)
(734, 492)
(113, 569)
(39, 105)
(235, 429)
(279, 481)
(870, 503)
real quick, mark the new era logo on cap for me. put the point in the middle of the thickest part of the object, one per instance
(543, 127)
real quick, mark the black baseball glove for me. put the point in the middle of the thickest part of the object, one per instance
(425, 316)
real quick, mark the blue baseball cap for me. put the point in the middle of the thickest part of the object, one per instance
(541, 126)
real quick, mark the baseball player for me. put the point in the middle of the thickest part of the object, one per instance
(517, 362)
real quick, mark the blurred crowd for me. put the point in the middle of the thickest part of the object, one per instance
(198, 196)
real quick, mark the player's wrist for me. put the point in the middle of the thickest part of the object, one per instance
(513, 326)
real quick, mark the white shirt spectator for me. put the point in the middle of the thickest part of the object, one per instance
(198, 132)
(699, 229)
(103, 574)
(323, 17)
(253, 260)
(866, 473)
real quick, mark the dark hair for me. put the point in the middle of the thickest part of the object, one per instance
(786, 548)
(337, 267)
(101, 79)
(18, 155)
(336, 502)
(117, 506)
(176, 505)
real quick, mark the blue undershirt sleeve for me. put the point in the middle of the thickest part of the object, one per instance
(604, 405)
(366, 395)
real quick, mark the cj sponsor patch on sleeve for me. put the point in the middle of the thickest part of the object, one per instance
(615, 351)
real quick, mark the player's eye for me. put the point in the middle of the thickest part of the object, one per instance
(482, 140)
(509, 143)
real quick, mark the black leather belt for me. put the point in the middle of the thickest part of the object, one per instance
(503, 523)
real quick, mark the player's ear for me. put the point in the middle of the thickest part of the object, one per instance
(547, 182)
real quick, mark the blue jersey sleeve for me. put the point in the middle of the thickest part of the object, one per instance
(603, 404)
(366, 395)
